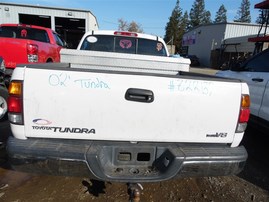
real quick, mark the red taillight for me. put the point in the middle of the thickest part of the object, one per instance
(32, 52)
(125, 34)
(32, 49)
(244, 115)
(14, 104)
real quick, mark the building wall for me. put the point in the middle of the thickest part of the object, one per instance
(206, 38)
(209, 38)
(9, 13)
(243, 44)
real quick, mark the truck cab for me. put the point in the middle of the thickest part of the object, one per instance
(123, 42)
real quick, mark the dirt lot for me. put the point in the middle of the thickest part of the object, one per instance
(24, 187)
(250, 185)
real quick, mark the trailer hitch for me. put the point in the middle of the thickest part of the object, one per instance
(134, 191)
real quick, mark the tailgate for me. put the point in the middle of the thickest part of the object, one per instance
(129, 107)
(13, 51)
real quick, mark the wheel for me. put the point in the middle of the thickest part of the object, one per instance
(3, 102)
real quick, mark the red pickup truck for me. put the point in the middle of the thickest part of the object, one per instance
(28, 44)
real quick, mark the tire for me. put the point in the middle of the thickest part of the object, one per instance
(3, 103)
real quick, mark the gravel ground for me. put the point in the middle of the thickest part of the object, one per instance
(26, 188)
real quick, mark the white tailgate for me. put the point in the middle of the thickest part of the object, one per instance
(87, 105)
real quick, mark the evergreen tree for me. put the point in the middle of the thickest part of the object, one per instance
(221, 15)
(243, 13)
(259, 19)
(173, 30)
(198, 14)
(185, 24)
(207, 18)
(264, 14)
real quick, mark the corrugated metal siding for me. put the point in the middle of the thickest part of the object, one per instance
(237, 30)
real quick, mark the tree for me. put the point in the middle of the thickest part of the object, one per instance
(221, 15)
(134, 27)
(198, 14)
(123, 25)
(185, 23)
(207, 18)
(131, 27)
(264, 14)
(174, 30)
(243, 13)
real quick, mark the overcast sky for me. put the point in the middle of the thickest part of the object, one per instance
(152, 15)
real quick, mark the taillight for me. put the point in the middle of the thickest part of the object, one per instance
(244, 114)
(15, 107)
(14, 104)
(125, 34)
(32, 52)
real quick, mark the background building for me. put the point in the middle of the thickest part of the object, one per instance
(70, 23)
(215, 44)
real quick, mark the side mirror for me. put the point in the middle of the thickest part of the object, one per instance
(66, 44)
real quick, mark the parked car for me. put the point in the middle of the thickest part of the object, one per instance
(194, 60)
(3, 91)
(255, 72)
(28, 44)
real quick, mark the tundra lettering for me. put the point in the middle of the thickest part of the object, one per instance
(65, 130)
(88, 83)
